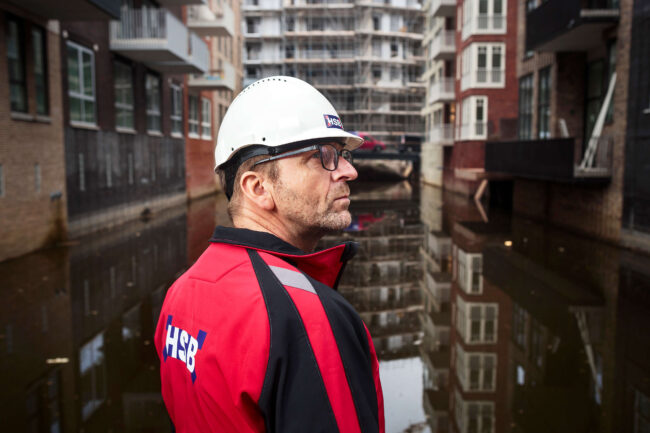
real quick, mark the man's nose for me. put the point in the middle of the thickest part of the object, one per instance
(345, 170)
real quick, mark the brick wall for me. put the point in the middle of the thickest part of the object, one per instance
(31, 218)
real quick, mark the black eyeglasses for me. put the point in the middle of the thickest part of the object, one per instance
(329, 155)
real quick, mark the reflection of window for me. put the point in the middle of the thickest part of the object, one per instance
(152, 84)
(476, 371)
(15, 38)
(193, 116)
(473, 126)
(206, 118)
(81, 84)
(474, 416)
(177, 109)
(40, 70)
(43, 404)
(470, 268)
(92, 368)
(123, 95)
(526, 107)
(483, 66)
(519, 320)
(544, 103)
(476, 322)
(483, 17)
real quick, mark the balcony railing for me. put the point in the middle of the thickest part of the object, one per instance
(569, 25)
(159, 39)
(443, 46)
(484, 24)
(224, 78)
(443, 8)
(442, 90)
(483, 78)
(553, 159)
(205, 22)
(472, 131)
(442, 135)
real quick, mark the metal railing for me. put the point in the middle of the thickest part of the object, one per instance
(484, 24)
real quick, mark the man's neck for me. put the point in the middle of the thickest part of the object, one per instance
(271, 224)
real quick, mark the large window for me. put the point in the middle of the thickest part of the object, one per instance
(152, 84)
(526, 107)
(206, 118)
(474, 416)
(473, 118)
(16, 63)
(470, 268)
(81, 84)
(476, 371)
(177, 109)
(544, 103)
(123, 96)
(476, 322)
(40, 70)
(483, 66)
(193, 116)
(483, 17)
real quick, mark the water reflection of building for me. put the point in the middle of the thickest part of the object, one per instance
(76, 349)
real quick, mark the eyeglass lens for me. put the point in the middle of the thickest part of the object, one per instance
(329, 156)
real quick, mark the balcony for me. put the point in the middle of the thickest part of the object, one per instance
(443, 8)
(203, 21)
(74, 10)
(484, 25)
(551, 160)
(224, 78)
(441, 135)
(443, 46)
(483, 78)
(158, 39)
(442, 90)
(569, 25)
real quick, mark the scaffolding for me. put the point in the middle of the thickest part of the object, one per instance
(365, 56)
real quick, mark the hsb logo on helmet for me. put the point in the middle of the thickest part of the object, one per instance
(332, 121)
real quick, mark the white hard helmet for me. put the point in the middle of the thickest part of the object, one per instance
(278, 111)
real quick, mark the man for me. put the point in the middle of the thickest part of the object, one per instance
(253, 337)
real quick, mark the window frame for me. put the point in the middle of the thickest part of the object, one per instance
(470, 127)
(81, 96)
(152, 111)
(176, 111)
(206, 108)
(122, 106)
(471, 23)
(471, 72)
(464, 321)
(43, 87)
(466, 272)
(544, 83)
(525, 107)
(487, 368)
(193, 116)
(21, 59)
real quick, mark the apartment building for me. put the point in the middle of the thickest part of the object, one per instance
(363, 55)
(471, 90)
(33, 198)
(578, 106)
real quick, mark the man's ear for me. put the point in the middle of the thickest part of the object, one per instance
(255, 188)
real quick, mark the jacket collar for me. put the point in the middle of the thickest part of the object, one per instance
(325, 265)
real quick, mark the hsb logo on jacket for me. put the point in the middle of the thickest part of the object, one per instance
(179, 344)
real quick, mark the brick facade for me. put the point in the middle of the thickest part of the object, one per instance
(32, 215)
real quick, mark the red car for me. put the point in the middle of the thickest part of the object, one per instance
(370, 142)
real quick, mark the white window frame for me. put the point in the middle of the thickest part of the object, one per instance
(82, 97)
(490, 77)
(470, 128)
(176, 112)
(476, 371)
(489, 24)
(193, 116)
(206, 119)
(466, 268)
(464, 321)
(463, 411)
(153, 111)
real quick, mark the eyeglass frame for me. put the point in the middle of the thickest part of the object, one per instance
(339, 154)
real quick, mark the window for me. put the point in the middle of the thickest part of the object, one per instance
(92, 370)
(544, 103)
(376, 22)
(474, 416)
(476, 322)
(595, 81)
(526, 107)
(206, 118)
(483, 66)
(40, 70)
(81, 84)
(473, 124)
(152, 84)
(193, 116)
(476, 371)
(483, 17)
(16, 63)
(470, 268)
(519, 323)
(123, 96)
(177, 109)
(252, 25)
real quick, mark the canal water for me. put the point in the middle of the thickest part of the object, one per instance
(483, 322)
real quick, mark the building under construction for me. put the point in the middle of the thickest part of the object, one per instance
(363, 55)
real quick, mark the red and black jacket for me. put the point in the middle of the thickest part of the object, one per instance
(252, 338)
